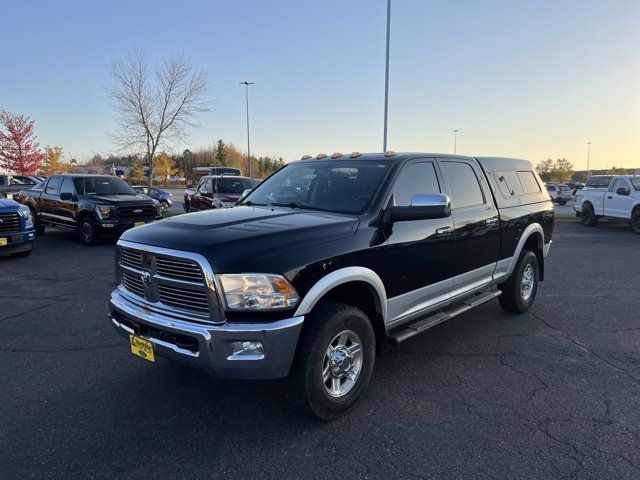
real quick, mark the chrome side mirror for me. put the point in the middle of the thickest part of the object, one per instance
(423, 207)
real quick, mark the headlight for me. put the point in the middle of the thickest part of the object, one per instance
(257, 291)
(28, 217)
(103, 211)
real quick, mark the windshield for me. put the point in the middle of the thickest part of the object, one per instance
(335, 186)
(599, 182)
(232, 185)
(635, 182)
(103, 186)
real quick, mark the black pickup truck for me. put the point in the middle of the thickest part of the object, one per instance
(88, 204)
(326, 261)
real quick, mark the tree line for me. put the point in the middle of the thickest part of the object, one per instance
(561, 170)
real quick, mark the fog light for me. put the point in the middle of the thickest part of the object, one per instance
(247, 351)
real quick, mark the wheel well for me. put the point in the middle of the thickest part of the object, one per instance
(536, 245)
(635, 209)
(363, 296)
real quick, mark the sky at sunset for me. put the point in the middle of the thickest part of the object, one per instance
(529, 79)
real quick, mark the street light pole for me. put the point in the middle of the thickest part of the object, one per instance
(246, 91)
(588, 155)
(455, 141)
(386, 78)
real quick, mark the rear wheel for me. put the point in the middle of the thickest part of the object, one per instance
(588, 216)
(634, 222)
(87, 231)
(520, 289)
(334, 361)
(39, 225)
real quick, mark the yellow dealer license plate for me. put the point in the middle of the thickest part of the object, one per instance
(141, 348)
(3, 242)
(137, 224)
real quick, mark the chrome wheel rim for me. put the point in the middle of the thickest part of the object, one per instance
(87, 233)
(342, 363)
(163, 207)
(526, 284)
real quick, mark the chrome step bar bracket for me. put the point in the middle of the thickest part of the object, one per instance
(406, 332)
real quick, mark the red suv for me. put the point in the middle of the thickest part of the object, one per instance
(216, 191)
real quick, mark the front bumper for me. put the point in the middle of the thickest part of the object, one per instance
(118, 226)
(17, 242)
(209, 347)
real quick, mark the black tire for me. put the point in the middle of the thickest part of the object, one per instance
(164, 206)
(588, 217)
(186, 207)
(87, 231)
(39, 227)
(304, 388)
(634, 222)
(513, 298)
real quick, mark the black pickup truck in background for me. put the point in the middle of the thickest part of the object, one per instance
(313, 272)
(10, 186)
(88, 204)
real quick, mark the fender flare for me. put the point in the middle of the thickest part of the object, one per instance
(530, 230)
(339, 277)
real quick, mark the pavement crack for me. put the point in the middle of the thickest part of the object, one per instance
(582, 347)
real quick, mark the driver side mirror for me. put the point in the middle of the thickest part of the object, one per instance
(423, 207)
(622, 191)
(66, 196)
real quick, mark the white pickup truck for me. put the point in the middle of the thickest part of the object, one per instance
(620, 200)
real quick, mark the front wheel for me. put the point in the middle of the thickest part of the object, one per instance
(164, 206)
(588, 217)
(334, 361)
(186, 207)
(87, 232)
(634, 222)
(520, 289)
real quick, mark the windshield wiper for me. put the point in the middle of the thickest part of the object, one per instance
(249, 203)
(299, 206)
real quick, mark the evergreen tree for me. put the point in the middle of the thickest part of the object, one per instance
(221, 154)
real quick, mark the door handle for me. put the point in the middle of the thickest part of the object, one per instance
(491, 221)
(444, 230)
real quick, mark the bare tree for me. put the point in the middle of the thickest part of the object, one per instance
(154, 111)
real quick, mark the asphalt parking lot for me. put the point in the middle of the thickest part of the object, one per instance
(554, 393)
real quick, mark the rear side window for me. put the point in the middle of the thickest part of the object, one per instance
(415, 178)
(529, 182)
(509, 184)
(465, 188)
(53, 187)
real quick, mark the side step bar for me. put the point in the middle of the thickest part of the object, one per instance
(406, 332)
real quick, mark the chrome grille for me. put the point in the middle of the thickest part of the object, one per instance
(9, 222)
(133, 284)
(131, 257)
(183, 298)
(164, 281)
(180, 269)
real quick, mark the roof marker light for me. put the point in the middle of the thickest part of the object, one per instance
(305, 157)
(389, 153)
(336, 155)
(356, 154)
(321, 155)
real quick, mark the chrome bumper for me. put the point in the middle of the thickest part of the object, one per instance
(213, 351)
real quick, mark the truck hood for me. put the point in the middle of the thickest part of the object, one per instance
(141, 199)
(234, 239)
(5, 203)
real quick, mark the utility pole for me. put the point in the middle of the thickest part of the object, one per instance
(455, 141)
(588, 155)
(386, 78)
(246, 91)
